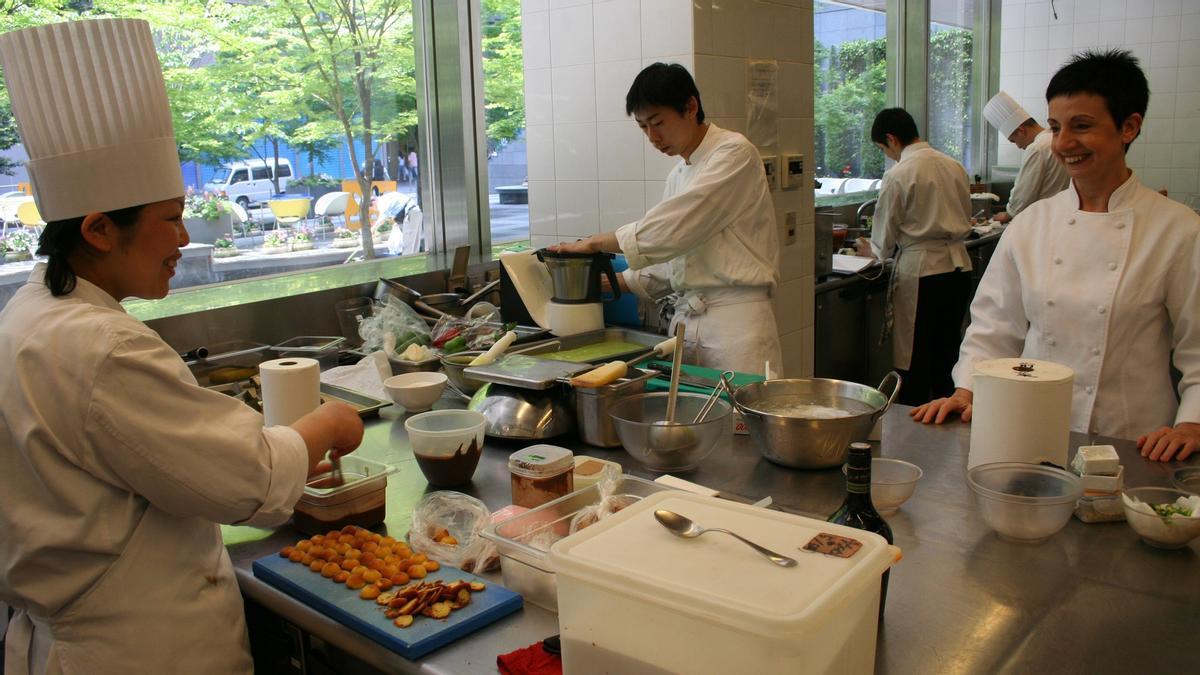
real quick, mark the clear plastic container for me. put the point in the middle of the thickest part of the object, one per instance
(230, 361)
(360, 500)
(323, 348)
(541, 473)
(524, 541)
(589, 470)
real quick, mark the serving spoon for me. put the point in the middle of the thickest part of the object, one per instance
(682, 526)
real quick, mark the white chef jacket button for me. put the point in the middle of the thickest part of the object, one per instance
(1049, 303)
(1112, 266)
(1120, 226)
(1050, 341)
(1090, 389)
(1096, 351)
(1102, 310)
(1071, 221)
(1058, 261)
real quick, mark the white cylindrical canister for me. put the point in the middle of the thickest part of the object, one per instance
(291, 388)
(1022, 412)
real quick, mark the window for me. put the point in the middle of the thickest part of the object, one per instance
(950, 87)
(851, 73)
(504, 117)
(261, 173)
(285, 171)
(239, 176)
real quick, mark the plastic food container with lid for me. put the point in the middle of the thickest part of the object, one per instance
(711, 604)
(360, 500)
(541, 473)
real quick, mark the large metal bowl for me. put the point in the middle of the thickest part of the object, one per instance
(680, 447)
(804, 442)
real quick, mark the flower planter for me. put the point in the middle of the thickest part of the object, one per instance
(273, 250)
(345, 243)
(225, 252)
(17, 256)
(302, 245)
(202, 231)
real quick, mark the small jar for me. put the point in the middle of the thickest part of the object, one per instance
(541, 473)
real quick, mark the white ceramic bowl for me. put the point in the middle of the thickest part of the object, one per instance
(415, 391)
(892, 483)
(1025, 502)
(1174, 532)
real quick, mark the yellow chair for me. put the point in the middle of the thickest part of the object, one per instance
(28, 214)
(289, 211)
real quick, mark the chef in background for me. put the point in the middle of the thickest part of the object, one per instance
(922, 217)
(1101, 277)
(115, 466)
(1041, 174)
(712, 239)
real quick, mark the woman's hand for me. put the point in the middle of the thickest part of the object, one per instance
(1168, 443)
(938, 410)
(334, 427)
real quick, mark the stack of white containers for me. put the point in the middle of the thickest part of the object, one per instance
(1103, 477)
(632, 597)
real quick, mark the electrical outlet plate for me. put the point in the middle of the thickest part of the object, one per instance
(793, 171)
(771, 170)
(790, 225)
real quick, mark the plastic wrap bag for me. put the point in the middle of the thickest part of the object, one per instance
(455, 334)
(460, 516)
(393, 328)
(610, 502)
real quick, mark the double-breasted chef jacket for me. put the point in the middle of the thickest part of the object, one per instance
(924, 215)
(1111, 295)
(712, 239)
(115, 468)
(1041, 175)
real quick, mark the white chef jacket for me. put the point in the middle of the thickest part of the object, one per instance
(1108, 294)
(1041, 174)
(712, 239)
(924, 215)
(114, 469)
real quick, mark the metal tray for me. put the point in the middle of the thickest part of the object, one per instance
(363, 404)
(645, 340)
(526, 372)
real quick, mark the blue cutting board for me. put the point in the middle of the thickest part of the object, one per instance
(423, 636)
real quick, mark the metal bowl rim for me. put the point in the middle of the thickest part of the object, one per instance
(713, 416)
(737, 397)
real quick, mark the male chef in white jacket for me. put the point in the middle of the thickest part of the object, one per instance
(115, 466)
(1102, 277)
(1041, 174)
(922, 218)
(712, 238)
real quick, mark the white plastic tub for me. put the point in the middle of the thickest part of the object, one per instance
(634, 598)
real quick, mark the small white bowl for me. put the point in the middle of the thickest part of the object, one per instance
(418, 391)
(1174, 532)
(892, 483)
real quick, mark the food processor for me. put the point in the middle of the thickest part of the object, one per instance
(560, 291)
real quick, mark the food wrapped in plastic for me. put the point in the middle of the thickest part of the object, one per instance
(453, 334)
(393, 329)
(609, 503)
(446, 526)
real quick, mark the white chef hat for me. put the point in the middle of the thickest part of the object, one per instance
(1005, 114)
(91, 106)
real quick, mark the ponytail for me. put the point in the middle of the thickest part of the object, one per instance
(61, 238)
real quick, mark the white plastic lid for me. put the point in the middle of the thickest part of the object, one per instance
(715, 576)
(1025, 370)
(539, 461)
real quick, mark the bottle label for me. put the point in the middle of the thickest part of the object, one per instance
(858, 481)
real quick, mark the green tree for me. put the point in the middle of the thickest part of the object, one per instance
(950, 78)
(503, 70)
(850, 90)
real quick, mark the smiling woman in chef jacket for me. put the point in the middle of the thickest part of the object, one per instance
(115, 466)
(1101, 277)
(712, 239)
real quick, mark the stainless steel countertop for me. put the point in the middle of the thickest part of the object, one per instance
(1091, 599)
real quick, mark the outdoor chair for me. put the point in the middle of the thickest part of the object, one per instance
(27, 213)
(242, 220)
(289, 211)
(329, 206)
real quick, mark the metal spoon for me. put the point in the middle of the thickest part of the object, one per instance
(682, 526)
(335, 470)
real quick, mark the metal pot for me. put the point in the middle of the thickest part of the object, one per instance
(443, 303)
(806, 443)
(593, 406)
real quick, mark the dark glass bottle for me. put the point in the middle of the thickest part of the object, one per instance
(857, 510)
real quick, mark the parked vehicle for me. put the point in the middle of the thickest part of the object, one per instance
(249, 181)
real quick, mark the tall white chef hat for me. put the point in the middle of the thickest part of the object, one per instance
(1005, 114)
(91, 106)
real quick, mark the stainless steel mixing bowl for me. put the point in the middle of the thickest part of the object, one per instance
(800, 442)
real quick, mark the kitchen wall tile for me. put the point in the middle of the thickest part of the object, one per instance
(1186, 132)
(666, 28)
(1169, 7)
(1112, 33)
(1161, 79)
(1156, 179)
(575, 152)
(1034, 62)
(574, 93)
(617, 35)
(789, 303)
(1189, 53)
(729, 27)
(789, 34)
(578, 208)
(1136, 157)
(619, 151)
(654, 192)
(1159, 130)
(543, 210)
(542, 241)
(621, 202)
(539, 151)
(795, 89)
(1187, 105)
(1055, 59)
(531, 6)
(1185, 156)
(760, 30)
(535, 39)
(1158, 155)
(722, 84)
(1183, 182)
(798, 362)
(796, 260)
(1164, 55)
(1085, 11)
(1191, 8)
(539, 108)
(1014, 15)
(1165, 29)
(657, 164)
(1112, 10)
(1011, 40)
(1161, 106)
(1035, 38)
(1085, 35)
(737, 124)
(1139, 9)
(1037, 14)
(1189, 26)
(571, 36)
(1060, 36)
(613, 80)
(686, 60)
(1139, 30)
(559, 4)
(702, 27)
(1141, 51)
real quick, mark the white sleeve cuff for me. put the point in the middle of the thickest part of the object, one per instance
(627, 240)
(289, 472)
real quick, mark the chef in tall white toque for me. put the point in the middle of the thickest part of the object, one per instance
(115, 466)
(1041, 174)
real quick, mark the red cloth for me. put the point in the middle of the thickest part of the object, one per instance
(532, 660)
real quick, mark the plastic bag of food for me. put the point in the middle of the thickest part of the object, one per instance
(455, 334)
(446, 527)
(610, 502)
(393, 329)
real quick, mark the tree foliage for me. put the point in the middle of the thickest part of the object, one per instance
(503, 70)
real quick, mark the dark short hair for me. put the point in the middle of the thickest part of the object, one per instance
(663, 84)
(1113, 75)
(61, 238)
(894, 121)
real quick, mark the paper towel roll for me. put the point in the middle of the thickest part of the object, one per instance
(1022, 412)
(291, 388)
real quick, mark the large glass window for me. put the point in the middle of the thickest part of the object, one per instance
(504, 116)
(280, 108)
(951, 85)
(851, 74)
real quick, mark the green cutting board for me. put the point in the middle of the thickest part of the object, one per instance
(658, 384)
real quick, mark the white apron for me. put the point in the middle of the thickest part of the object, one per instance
(903, 289)
(729, 329)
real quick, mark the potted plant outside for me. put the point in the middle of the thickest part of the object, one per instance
(302, 239)
(224, 247)
(18, 245)
(314, 186)
(275, 242)
(343, 238)
(207, 216)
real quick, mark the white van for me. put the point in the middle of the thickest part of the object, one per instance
(249, 181)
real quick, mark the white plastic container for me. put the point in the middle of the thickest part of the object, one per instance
(632, 597)
(541, 473)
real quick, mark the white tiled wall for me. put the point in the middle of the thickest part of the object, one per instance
(591, 170)
(1163, 34)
